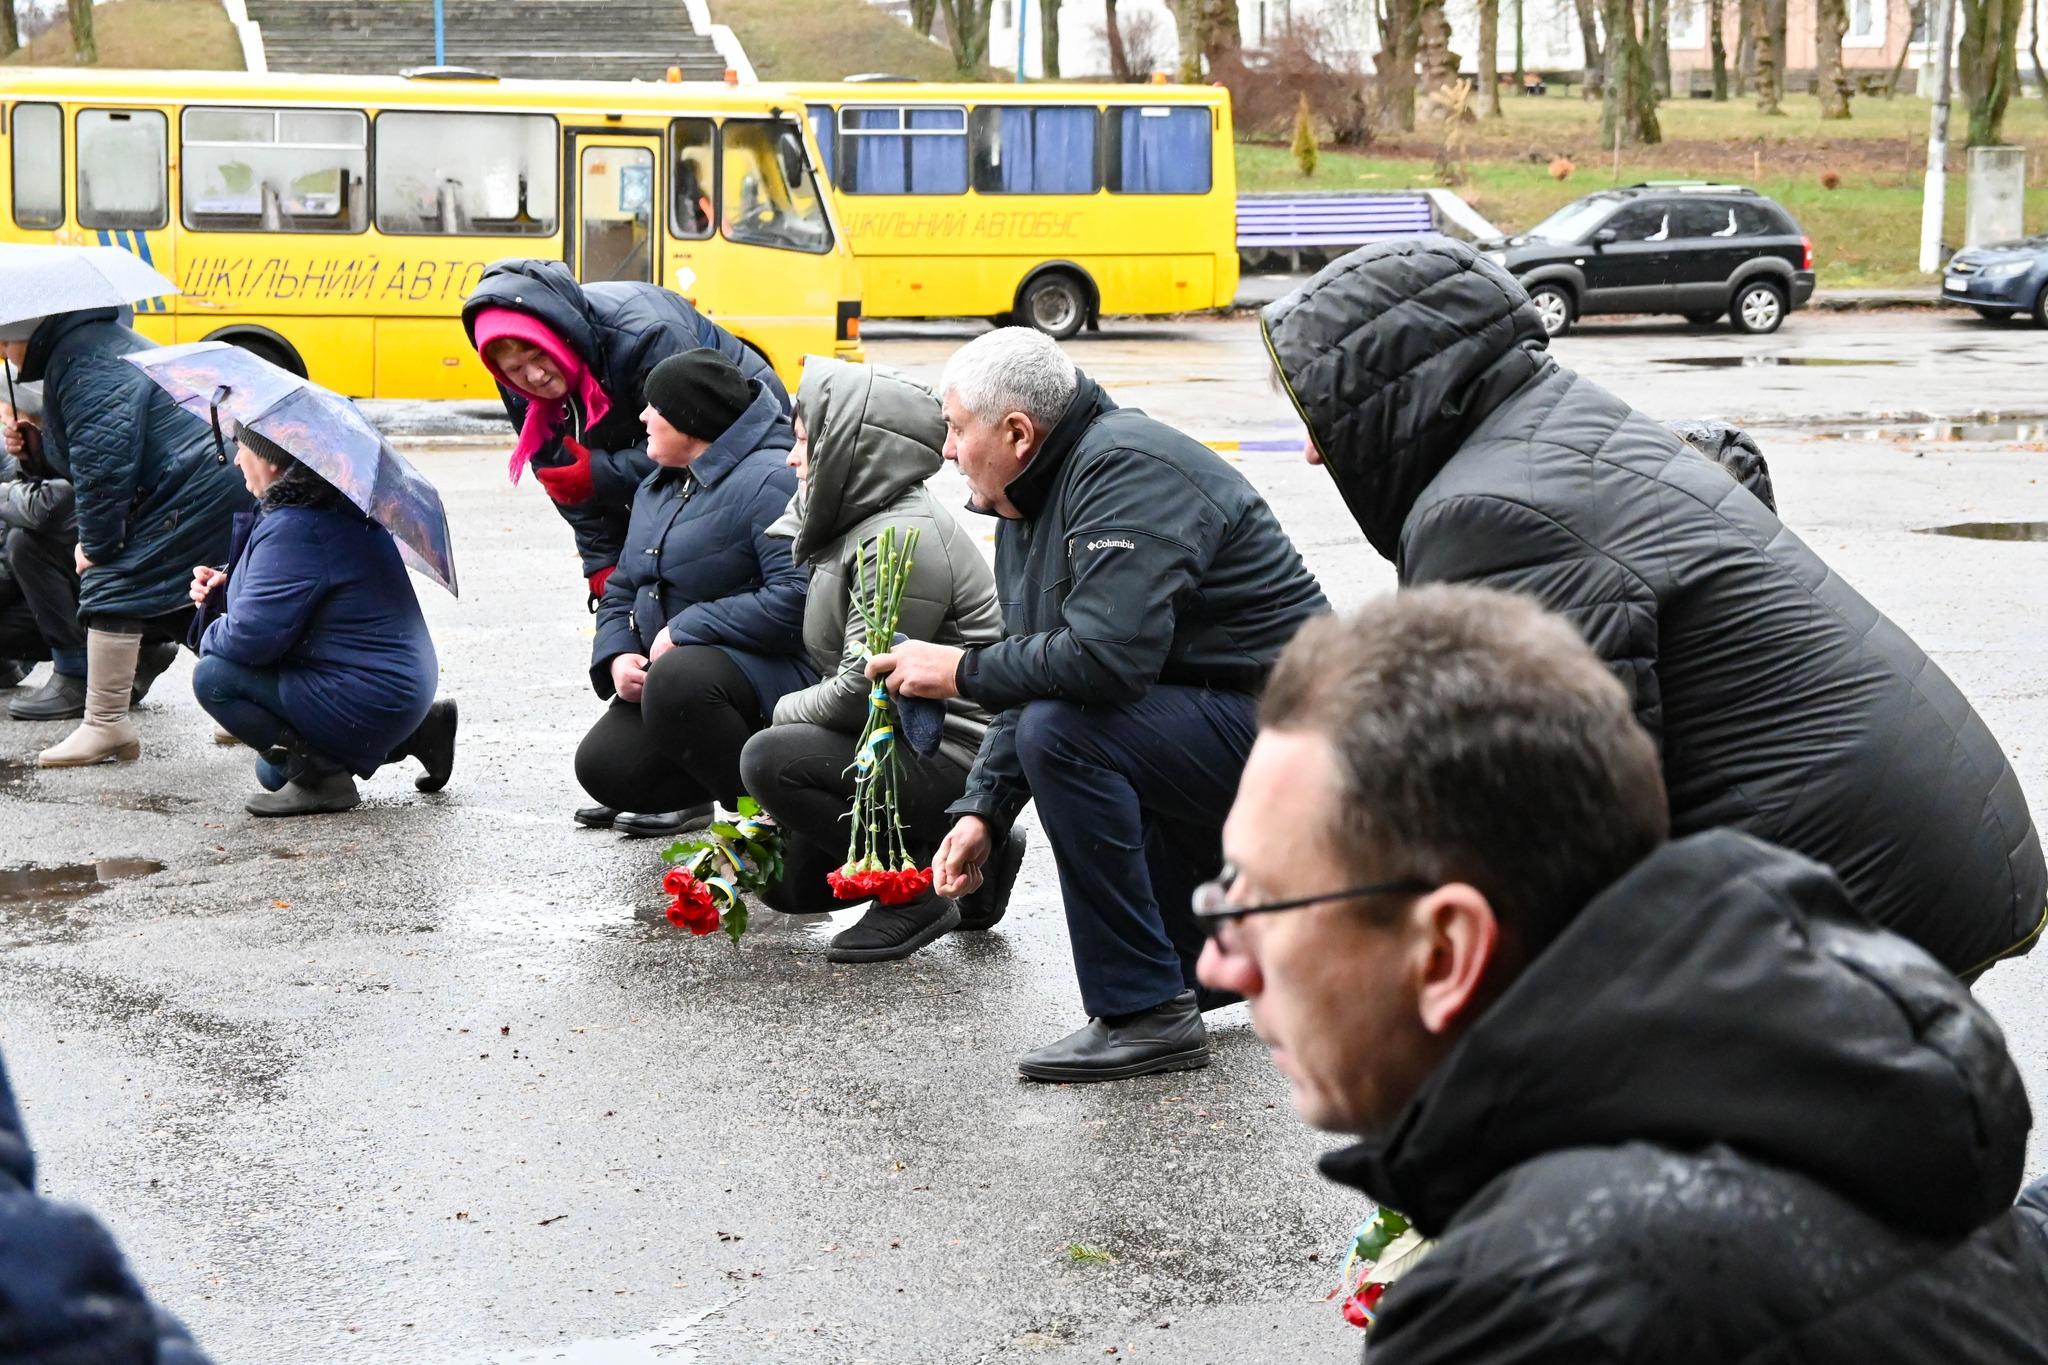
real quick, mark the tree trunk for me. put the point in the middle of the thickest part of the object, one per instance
(10, 30)
(1222, 42)
(1717, 48)
(1433, 48)
(1774, 19)
(1187, 24)
(1589, 39)
(1489, 59)
(1394, 68)
(1049, 38)
(1628, 113)
(1746, 26)
(1119, 60)
(1899, 67)
(1521, 69)
(2034, 47)
(1988, 64)
(1657, 43)
(922, 12)
(85, 49)
(1770, 74)
(1831, 78)
(967, 29)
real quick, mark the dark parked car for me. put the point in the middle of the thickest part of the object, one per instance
(1697, 249)
(2001, 280)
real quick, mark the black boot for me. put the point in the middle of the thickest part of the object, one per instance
(12, 671)
(802, 889)
(313, 786)
(62, 697)
(149, 666)
(887, 932)
(1167, 1037)
(433, 744)
(983, 908)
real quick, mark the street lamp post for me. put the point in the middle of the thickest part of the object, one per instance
(440, 46)
(1934, 197)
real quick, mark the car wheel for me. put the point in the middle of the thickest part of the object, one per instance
(1703, 319)
(1554, 307)
(1759, 308)
(1992, 314)
(1054, 303)
(2041, 307)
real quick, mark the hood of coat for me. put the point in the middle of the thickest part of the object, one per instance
(546, 290)
(873, 436)
(48, 337)
(1393, 355)
(1723, 993)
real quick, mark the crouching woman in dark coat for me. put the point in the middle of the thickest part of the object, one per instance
(700, 632)
(321, 661)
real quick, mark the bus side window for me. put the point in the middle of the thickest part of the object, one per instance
(470, 175)
(123, 169)
(38, 166)
(1034, 149)
(268, 170)
(693, 212)
(1158, 149)
(825, 128)
(903, 150)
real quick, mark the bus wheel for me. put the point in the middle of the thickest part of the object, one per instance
(264, 348)
(1055, 303)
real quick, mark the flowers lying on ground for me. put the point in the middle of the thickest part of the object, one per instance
(1383, 1248)
(711, 870)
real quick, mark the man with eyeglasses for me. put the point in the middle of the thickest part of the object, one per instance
(1655, 1101)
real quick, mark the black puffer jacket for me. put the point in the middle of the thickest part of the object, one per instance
(621, 331)
(1143, 557)
(1720, 1119)
(1784, 703)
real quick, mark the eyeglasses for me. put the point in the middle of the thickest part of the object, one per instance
(1213, 909)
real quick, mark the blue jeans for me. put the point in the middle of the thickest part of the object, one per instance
(246, 702)
(1132, 799)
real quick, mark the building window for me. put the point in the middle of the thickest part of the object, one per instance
(38, 166)
(903, 151)
(1157, 150)
(1688, 24)
(1866, 24)
(123, 169)
(1034, 149)
(467, 175)
(292, 170)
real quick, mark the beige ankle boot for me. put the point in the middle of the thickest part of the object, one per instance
(106, 733)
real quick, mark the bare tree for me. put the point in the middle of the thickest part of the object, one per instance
(1589, 39)
(1113, 30)
(1489, 59)
(1433, 50)
(1657, 42)
(85, 48)
(1521, 70)
(1394, 67)
(1770, 57)
(1717, 48)
(1187, 26)
(10, 29)
(2034, 46)
(1628, 113)
(1831, 81)
(1049, 38)
(1746, 26)
(1217, 31)
(922, 13)
(1988, 64)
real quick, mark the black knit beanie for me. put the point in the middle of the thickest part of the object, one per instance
(700, 393)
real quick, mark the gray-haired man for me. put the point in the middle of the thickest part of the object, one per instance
(1146, 591)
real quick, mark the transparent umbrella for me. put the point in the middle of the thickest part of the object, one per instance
(37, 281)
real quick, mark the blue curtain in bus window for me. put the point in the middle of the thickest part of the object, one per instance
(938, 165)
(824, 128)
(1165, 151)
(1048, 151)
(877, 163)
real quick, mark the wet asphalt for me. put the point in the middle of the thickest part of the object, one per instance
(433, 1081)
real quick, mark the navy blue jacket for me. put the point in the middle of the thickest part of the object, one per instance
(706, 569)
(66, 1294)
(153, 497)
(320, 594)
(621, 330)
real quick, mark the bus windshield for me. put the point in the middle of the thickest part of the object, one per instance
(770, 195)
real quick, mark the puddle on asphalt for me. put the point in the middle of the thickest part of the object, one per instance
(1746, 362)
(1983, 432)
(59, 885)
(1991, 530)
(15, 770)
(668, 1344)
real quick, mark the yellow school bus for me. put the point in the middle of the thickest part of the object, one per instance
(334, 224)
(1046, 204)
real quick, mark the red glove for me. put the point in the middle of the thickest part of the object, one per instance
(568, 484)
(598, 580)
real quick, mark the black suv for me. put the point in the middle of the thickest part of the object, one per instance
(1694, 248)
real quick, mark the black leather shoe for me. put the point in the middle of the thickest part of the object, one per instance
(662, 824)
(62, 697)
(887, 932)
(982, 909)
(1169, 1037)
(596, 817)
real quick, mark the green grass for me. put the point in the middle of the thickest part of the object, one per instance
(828, 40)
(1866, 232)
(1083, 1254)
(191, 35)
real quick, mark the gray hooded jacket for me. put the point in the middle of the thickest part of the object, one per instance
(874, 440)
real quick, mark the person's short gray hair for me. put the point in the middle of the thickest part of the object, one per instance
(1478, 739)
(1012, 369)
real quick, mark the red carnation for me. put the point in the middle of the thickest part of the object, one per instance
(901, 888)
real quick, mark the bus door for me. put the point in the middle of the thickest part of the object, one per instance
(616, 188)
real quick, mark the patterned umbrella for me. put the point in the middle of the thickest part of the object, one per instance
(322, 430)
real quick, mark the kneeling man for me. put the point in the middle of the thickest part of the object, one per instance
(1146, 591)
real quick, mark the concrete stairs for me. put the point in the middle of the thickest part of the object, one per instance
(545, 39)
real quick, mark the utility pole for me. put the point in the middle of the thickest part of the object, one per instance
(1023, 22)
(1933, 198)
(1520, 70)
(440, 47)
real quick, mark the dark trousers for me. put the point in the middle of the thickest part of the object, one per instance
(1132, 799)
(248, 704)
(47, 576)
(680, 746)
(800, 775)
